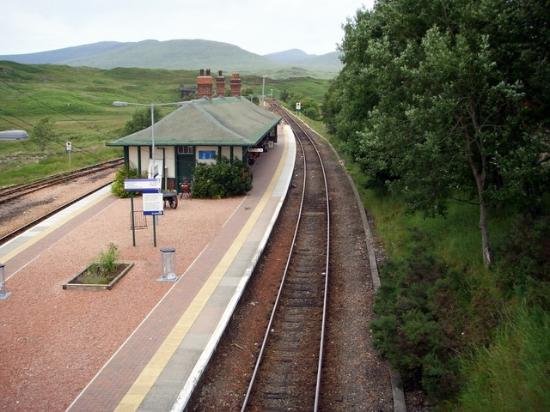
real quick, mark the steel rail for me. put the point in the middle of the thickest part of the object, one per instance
(284, 277)
(325, 297)
(14, 192)
(26, 226)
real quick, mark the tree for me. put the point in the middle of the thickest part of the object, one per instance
(43, 133)
(285, 95)
(141, 119)
(439, 99)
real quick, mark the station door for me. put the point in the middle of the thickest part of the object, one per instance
(185, 163)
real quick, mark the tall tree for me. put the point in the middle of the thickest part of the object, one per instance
(444, 98)
(141, 119)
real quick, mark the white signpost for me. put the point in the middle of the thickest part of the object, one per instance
(69, 149)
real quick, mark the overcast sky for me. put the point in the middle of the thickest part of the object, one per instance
(259, 26)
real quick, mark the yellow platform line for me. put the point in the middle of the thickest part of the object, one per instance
(47, 231)
(149, 375)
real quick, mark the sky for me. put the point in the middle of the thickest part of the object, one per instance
(259, 26)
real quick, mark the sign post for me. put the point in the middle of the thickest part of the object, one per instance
(153, 203)
(69, 149)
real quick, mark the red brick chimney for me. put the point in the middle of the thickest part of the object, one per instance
(204, 84)
(220, 84)
(235, 84)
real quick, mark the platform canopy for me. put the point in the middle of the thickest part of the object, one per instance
(222, 121)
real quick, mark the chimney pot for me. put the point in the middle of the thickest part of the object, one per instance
(204, 84)
(235, 84)
(220, 84)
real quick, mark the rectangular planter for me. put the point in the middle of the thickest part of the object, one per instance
(98, 286)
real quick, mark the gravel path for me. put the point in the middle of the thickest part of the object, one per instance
(53, 341)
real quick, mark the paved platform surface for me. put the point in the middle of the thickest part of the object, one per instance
(159, 364)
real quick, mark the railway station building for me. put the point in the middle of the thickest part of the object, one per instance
(202, 131)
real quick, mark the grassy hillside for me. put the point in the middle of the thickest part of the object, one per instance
(78, 100)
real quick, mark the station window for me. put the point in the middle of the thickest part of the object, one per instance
(207, 154)
(185, 149)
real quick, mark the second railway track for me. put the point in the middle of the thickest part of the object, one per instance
(288, 370)
(13, 192)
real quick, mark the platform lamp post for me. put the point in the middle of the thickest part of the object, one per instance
(263, 90)
(118, 103)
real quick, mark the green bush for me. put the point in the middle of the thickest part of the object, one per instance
(107, 260)
(523, 271)
(420, 325)
(118, 185)
(103, 269)
(222, 179)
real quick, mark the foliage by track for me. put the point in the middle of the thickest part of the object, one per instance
(442, 107)
(468, 336)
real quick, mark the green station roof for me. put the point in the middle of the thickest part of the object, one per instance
(222, 121)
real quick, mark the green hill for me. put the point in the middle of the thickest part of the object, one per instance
(178, 54)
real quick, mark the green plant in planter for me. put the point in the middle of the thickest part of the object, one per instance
(102, 270)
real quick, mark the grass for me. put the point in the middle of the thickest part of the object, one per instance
(78, 100)
(512, 373)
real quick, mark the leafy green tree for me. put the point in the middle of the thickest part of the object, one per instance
(439, 99)
(141, 119)
(43, 133)
(285, 95)
(310, 108)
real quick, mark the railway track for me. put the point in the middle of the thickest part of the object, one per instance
(287, 374)
(13, 192)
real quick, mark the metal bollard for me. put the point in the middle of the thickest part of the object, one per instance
(168, 272)
(3, 291)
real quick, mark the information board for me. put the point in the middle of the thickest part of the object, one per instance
(153, 204)
(142, 185)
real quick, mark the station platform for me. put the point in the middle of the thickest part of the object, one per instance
(160, 361)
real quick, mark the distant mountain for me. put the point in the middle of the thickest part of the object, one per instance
(62, 56)
(297, 57)
(178, 54)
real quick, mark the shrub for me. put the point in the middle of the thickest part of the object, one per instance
(103, 269)
(107, 260)
(523, 270)
(118, 185)
(222, 179)
(420, 325)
